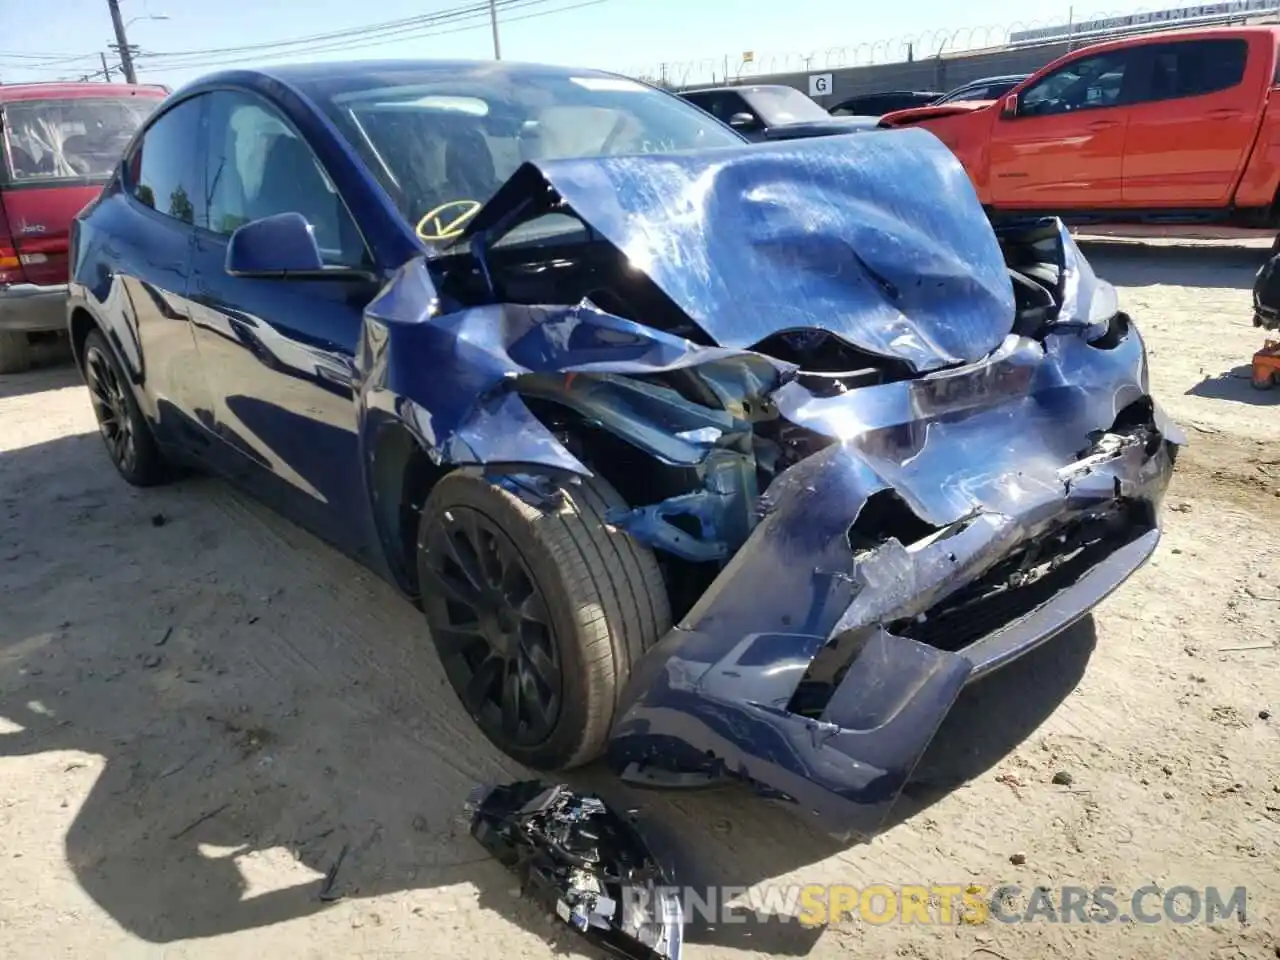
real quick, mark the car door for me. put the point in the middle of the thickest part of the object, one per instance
(280, 353)
(1191, 132)
(148, 233)
(1063, 148)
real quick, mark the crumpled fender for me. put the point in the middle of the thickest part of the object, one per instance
(452, 378)
(993, 454)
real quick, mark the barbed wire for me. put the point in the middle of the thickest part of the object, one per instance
(907, 47)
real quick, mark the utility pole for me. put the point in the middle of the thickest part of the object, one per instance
(493, 20)
(122, 43)
(106, 71)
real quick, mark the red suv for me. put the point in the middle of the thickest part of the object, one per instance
(59, 143)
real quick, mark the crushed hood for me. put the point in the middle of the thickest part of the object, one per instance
(877, 238)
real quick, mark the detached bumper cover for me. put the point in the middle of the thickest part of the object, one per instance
(33, 309)
(987, 459)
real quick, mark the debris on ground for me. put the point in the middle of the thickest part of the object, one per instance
(580, 860)
(1062, 778)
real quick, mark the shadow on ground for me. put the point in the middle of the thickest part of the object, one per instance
(1234, 385)
(234, 727)
(51, 369)
(1144, 264)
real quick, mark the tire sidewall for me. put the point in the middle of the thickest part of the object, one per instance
(146, 467)
(517, 521)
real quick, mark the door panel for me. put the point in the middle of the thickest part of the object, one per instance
(280, 354)
(151, 246)
(1190, 134)
(1064, 149)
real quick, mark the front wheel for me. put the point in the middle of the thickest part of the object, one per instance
(537, 613)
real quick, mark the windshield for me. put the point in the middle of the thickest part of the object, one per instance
(56, 139)
(777, 105)
(442, 148)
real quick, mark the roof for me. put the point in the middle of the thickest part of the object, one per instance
(473, 69)
(739, 87)
(12, 92)
(332, 79)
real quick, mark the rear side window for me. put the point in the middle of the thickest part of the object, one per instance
(46, 140)
(1196, 67)
(163, 172)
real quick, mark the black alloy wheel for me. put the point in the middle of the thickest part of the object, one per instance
(490, 622)
(109, 406)
(124, 430)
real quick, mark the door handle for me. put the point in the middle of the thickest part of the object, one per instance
(1103, 124)
(1226, 113)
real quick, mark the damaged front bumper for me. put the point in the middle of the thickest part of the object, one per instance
(955, 525)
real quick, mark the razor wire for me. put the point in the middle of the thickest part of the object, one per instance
(905, 48)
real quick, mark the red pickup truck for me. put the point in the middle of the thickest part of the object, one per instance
(1174, 127)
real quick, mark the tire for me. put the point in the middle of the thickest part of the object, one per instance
(15, 351)
(1264, 382)
(124, 429)
(583, 601)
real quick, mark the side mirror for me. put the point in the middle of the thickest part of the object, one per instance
(1009, 108)
(742, 121)
(278, 246)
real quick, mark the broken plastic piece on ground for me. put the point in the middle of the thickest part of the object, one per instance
(583, 862)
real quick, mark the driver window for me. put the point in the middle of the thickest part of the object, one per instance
(1085, 84)
(258, 167)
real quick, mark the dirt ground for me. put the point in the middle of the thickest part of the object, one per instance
(201, 706)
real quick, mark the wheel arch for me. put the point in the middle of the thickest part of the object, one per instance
(401, 472)
(80, 324)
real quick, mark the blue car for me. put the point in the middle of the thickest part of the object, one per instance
(726, 460)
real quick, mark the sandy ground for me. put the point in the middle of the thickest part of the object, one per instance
(201, 705)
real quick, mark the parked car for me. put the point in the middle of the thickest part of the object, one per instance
(878, 104)
(1173, 127)
(741, 459)
(988, 88)
(773, 112)
(60, 142)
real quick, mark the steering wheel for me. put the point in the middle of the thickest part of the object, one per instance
(448, 220)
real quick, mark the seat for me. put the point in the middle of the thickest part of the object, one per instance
(292, 183)
(468, 166)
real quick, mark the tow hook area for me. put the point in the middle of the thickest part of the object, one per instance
(576, 857)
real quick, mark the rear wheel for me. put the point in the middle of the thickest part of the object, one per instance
(1263, 381)
(15, 351)
(124, 429)
(537, 613)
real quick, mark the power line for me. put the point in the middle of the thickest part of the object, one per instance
(457, 19)
(393, 28)
(481, 14)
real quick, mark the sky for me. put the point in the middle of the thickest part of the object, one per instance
(179, 40)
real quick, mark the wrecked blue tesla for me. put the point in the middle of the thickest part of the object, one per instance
(726, 460)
